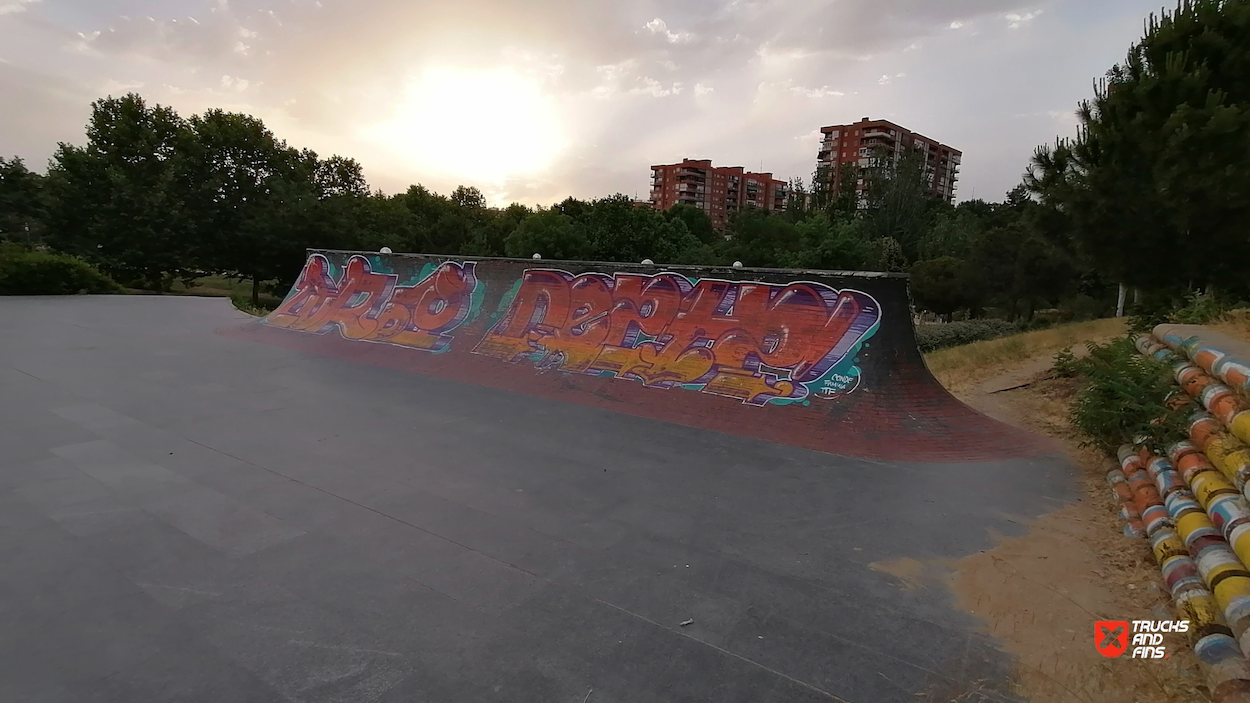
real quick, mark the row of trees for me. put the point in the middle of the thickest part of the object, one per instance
(152, 198)
(1150, 193)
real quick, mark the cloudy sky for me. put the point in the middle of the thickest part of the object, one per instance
(536, 100)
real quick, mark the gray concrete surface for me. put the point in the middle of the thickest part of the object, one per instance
(186, 517)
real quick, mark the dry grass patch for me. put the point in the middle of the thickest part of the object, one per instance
(1235, 324)
(959, 367)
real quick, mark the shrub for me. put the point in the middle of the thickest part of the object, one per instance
(952, 334)
(1164, 307)
(1125, 398)
(45, 273)
(1201, 309)
(244, 303)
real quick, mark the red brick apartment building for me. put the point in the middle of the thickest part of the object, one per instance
(855, 144)
(719, 191)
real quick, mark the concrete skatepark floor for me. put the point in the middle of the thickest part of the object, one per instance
(188, 516)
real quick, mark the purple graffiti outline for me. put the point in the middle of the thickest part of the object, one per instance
(867, 317)
(384, 302)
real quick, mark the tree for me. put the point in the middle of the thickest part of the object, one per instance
(845, 199)
(831, 245)
(339, 175)
(491, 238)
(21, 208)
(121, 201)
(759, 238)
(798, 200)
(943, 285)
(550, 234)
(696, 220)
(953, 233)
(617, 230)
(237, 164)
(1162, 157)
(260, 203)
(898, 200)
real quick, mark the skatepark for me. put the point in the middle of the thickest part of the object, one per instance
(432, 479)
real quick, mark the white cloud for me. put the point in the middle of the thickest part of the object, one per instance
(656, 89)
(822, 92)
(1015, 20)
(14, 6)
(658, 26)
(233, 83)
(789, 86)
(957, 25)
(700, 89)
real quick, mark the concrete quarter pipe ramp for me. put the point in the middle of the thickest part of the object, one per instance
(524, 494)
(815, 360)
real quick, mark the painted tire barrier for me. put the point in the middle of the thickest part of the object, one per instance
(1225, 668)
(1154, 349)
(1133, 526)
(1207, 431)
(1230, 369)
(1218, 565)
(1229, 454)
(1221, 501)
(1200, 377)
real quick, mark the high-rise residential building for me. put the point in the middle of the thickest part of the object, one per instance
(718, 191)
(860, 142)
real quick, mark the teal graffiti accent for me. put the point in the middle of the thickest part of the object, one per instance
(475, 300)
(840, 378)
(379, 264)
(505, 302)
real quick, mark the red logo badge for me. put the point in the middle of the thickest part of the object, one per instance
(1111, 637)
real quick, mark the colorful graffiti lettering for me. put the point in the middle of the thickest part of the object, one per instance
(366, 305)
(758, 342)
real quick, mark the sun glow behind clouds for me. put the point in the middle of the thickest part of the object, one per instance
(483, 126)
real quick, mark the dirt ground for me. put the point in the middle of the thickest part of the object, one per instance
(1040, 593)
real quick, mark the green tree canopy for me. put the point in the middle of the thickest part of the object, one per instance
(22, 209)
(122, 200)
(1154, 183)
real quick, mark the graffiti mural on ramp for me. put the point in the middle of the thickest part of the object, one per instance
(758, 342)
(369, 305)
(822, 360)
(761, 343)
